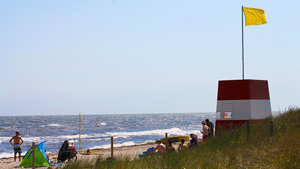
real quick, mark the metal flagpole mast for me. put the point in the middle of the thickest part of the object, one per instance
(242, 45)
(79, 131)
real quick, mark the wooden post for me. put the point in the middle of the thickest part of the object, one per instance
(248, 130)
(166, 137)
(79, 131)
(33, 155)
(112, 147)
(271, 129)
(231, 130)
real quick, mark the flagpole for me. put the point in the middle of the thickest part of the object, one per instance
(242, 44)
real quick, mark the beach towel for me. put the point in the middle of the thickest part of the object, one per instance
(146, 152)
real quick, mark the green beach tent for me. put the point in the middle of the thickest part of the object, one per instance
(40, 157)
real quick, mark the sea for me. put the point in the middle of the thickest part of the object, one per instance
(95, 131)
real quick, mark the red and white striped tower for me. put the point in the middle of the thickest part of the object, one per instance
(242, 100)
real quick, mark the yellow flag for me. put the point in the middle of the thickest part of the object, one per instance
(254, 16)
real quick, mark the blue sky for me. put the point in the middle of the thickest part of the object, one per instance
(108, 57)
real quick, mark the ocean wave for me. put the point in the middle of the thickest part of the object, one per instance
(95, 139)
(4, 139)
(116, 135)
(6, 155)
(54, 125)
(158, 132)
(101, 124)
(107, 136)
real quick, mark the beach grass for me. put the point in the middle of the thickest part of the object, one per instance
(259, 149)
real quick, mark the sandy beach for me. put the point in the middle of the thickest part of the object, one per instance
(119, 152)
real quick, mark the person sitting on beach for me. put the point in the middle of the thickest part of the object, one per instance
(17, 145)
(182, 146)
(194, 140)
(205, 131)
(170, 146)
(160, 148)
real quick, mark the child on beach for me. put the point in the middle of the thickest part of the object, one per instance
(17, 145)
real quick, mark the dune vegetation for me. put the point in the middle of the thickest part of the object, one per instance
(259, 149)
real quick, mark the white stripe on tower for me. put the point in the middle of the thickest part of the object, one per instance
(245, 99)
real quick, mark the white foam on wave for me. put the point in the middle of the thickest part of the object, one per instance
(101, 124)
(106, 136)
(96, 139)
(56, 138)
(116, 137)
(6, 155)
(52, 139)
(54, 125)
(4, 139)
(158, 132)
(74, 136)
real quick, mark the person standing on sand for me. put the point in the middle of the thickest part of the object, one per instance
(18, 141)
(211, 128)
(205, 131)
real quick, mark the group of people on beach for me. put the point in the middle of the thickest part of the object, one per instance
(208, 129)
(207, 132)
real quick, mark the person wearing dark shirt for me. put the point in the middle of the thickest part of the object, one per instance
(211, 128)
